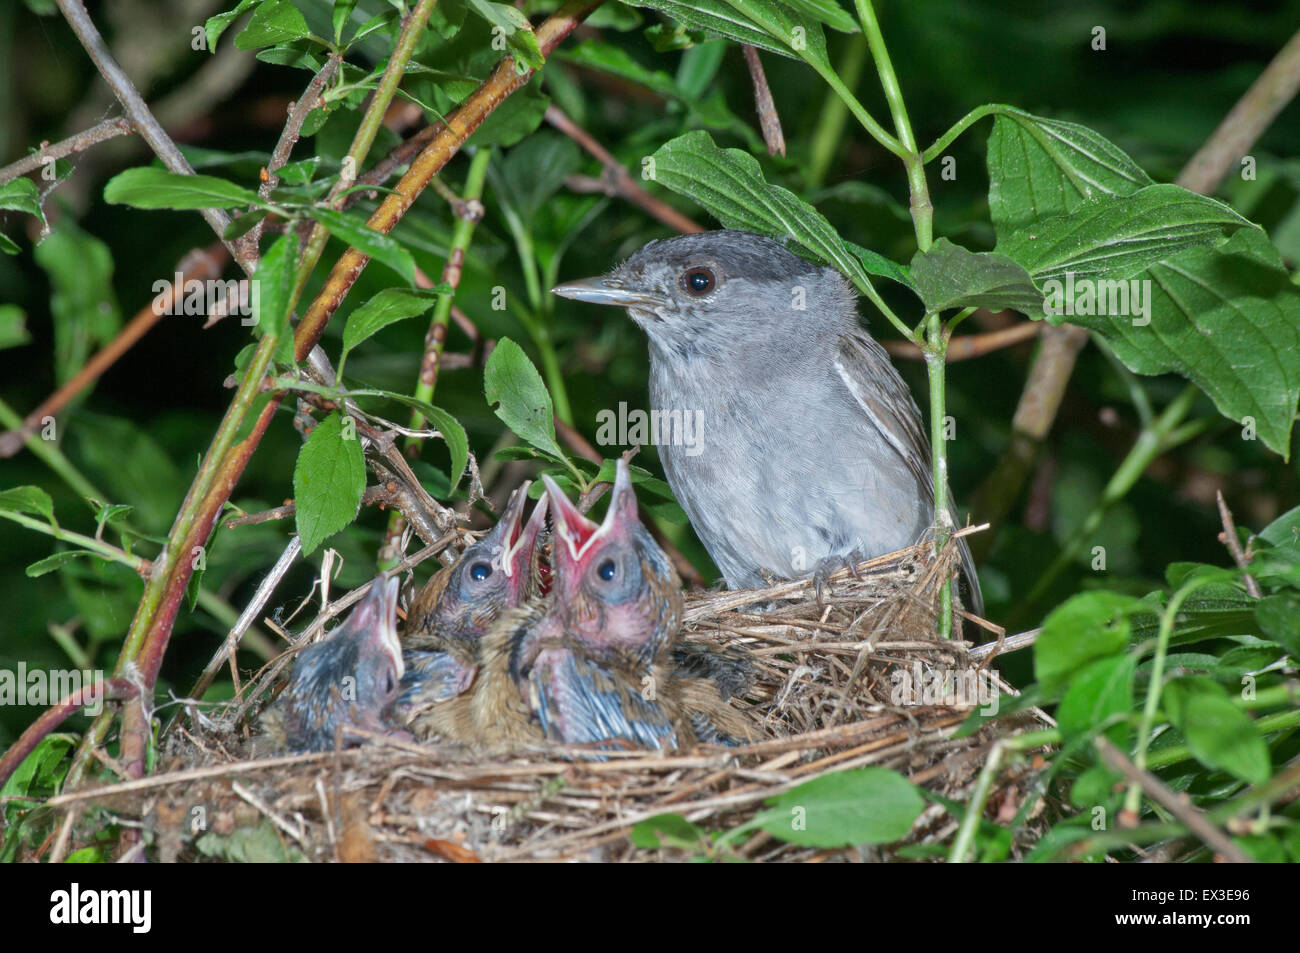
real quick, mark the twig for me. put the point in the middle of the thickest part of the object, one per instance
(265, 810)
(1179, 805)
(246, 618)
(1229, 538)
(199, 265)
(618, 181)
(1245, 122)
(74, 11)
(1012, 643)
(108, 129)
(284, 147)
(967, 346)
(768, 118)
(383, 495)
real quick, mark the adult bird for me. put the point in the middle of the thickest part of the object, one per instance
(347, 680)
(448, 617)
(596, 665)
(812, 452)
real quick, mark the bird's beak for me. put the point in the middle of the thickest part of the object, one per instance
(573, 531)
(606, 290)
(518, 553)
(377, 617)
(508, 528)
(575, 534)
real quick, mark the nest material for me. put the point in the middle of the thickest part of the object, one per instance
(825, 699)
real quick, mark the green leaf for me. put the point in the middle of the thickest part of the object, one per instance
(388, 307)
(275, 273)
(365, 239)
(152, 188)
(300, 172)
(877, 264)
(729, 183)
(1117, 236)
(13, 327)
(328, 481)
(514, 26)
(453, 434)
(608, 58)
(1261, 848)
(1227, 318)
(216, 25)
(1039, 168)
(765, 24)
(276, 21)
(1095, 786)
(828, 12)
(340, 16)
(531, 173)
(949, 276)
(110, 513)
(670, 38)
(83, 303)
(1097, 691)
(1279, 619)
(1087, 626)
(511, 381)
(863, 806)
(242, 224)
(668, 830)
(697, 69)
(28, 499)
(1284, 530)
(59, 560)
(39, 774)
(21, 195)
(1218, 734)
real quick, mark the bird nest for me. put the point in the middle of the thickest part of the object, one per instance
(856, 677)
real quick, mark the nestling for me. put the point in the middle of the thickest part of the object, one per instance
(812, 451)
(597, 665)
(449, 616)
(346, 680)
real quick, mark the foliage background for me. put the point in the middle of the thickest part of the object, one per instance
(1170, 72)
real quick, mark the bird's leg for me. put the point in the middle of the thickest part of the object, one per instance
(830, 565)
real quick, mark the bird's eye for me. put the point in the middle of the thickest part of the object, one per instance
(698, 281)
(480, 571)
(607, 570)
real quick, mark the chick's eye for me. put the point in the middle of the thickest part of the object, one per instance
(607, 570)
(698, 281)
(480, 571)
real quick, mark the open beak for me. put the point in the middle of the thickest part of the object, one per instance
(518, 553)
(508, 527)
(377, 614)
(575, 534)
(612, 291)
(573, 531)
